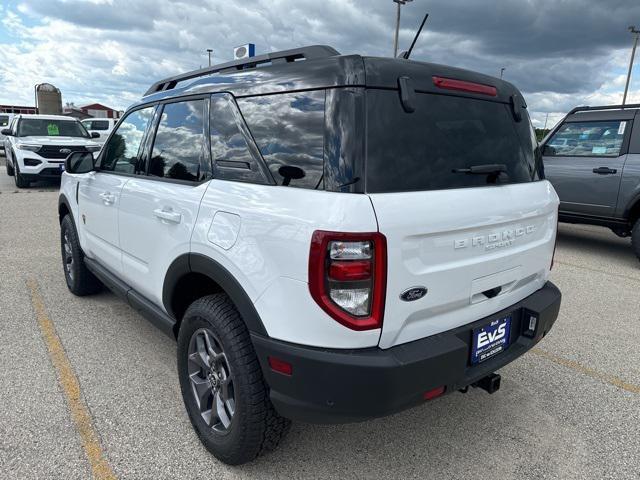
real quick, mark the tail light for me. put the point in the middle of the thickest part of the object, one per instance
(464, 86)
(347, 277)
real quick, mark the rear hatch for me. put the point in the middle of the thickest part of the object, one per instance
(477, 242)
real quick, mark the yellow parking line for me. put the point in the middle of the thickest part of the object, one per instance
(605, 377)
(71, 387)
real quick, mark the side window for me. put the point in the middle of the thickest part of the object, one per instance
(123, 152)
(234, 156)
(178, 149)
(634, 144)
(588, 139)
(87, 124)
(100, 125)
(289, 130)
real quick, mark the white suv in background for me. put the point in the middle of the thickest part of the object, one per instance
(37, 145)
(101, 126)
(5, 122)
(329, 238)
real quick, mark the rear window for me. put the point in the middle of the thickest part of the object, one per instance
(587, 139)
(4, 120)
(427, 149)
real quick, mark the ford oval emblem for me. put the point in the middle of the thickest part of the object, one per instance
(65, 151)
(413, 293)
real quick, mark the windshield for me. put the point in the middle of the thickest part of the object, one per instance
(40, 127)
(435, 147)
(4, 120)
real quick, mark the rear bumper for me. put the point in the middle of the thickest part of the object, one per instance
(340, 386)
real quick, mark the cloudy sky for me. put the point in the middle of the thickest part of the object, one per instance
(560, 53)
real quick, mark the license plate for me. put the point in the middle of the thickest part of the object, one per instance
(490, 340)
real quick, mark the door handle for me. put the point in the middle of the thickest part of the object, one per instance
(168, 215)
(107, 198)
(605, 170)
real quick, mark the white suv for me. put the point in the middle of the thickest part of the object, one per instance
(101, 127)
(36, 146)
(330, 238)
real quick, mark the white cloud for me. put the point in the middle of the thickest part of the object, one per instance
(110, 51)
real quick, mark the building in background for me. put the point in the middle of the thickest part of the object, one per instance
(48, 99)
(71, 110)
(97, 110)
(17, 109)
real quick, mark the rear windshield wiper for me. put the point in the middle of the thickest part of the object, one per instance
(487, 169)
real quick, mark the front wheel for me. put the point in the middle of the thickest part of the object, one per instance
(635, 238)
(222, 385)
(80, 280)
(18, 178)
(10, 170)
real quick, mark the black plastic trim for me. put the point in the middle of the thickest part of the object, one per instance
(341, 386)
(146, 308)
(62, 200)
(570, 217)
(201, 264)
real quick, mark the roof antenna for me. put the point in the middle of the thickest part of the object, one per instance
(406, 54)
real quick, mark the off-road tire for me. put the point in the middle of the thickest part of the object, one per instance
(80, 280)
(255, 426)
(635, 238)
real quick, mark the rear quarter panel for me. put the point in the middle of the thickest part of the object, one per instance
(262, 235)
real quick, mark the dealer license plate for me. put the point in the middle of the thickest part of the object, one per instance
(490, 339)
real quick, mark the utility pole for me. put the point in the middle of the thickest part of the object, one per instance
(545, 122)
(209, 51)
(502, 71)
(635, 32)
(395, 41)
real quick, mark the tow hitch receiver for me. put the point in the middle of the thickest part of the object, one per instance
(490, 383)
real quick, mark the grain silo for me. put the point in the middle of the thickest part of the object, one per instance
(48, 99)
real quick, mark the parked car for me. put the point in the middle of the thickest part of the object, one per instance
(36, 146)
(592, 158)
(101, 126)
(5, 121)
(317, 256)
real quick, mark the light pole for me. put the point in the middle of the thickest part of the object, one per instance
(635, 32)
(395, 41)
(209, 51)
(502, 71)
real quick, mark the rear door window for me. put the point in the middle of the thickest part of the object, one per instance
(179, 148)
(431, 148)
(235, 156)
(289, 130)
(587, 139)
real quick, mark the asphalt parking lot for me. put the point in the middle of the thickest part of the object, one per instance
(570, 409)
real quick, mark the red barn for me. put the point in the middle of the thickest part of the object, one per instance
(98, 110)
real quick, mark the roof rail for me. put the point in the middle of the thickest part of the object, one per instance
(303, 53)
(587, 108)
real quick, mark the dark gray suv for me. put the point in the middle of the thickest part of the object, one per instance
(592, 158)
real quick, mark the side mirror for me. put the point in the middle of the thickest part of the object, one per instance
(79, 162)
(6, 132)
(95, 135)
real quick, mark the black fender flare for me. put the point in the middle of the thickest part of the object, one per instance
(635, 200)
(198, 263)
(62, 200)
